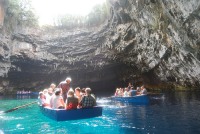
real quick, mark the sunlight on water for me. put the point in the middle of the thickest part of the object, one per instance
(108, 103)
(7, 118)
(103, 100)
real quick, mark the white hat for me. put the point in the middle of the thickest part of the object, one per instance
(68, 78)
(57, 90)
(40, 93)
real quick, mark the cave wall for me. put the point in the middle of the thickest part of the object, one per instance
(158, 37)
(2, 13)
(151, 42)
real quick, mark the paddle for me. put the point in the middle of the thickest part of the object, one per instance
(13, 109)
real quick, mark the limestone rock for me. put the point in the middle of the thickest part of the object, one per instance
(146, 41)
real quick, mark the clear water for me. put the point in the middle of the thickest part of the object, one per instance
(176, 113)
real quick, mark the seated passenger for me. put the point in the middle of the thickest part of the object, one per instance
(42, 100)
(117, 92)
(138, 91)
(45, 92)
(82, 92)
(130, 86)
(143, 90)
(78, 93)
(126, 94)
(132, 92)
(57, 101)
(53, 86)
(72, 101)
(121, 92)
(48, 95)
(87, 100)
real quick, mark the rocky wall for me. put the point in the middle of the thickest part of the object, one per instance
(151, 42)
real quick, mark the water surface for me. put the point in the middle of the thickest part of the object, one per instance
(176, 112)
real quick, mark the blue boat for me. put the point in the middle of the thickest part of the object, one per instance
(138, 99)
(75, 114)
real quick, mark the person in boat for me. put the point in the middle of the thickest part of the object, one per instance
(42, 100)
(121, 92)
(49, 95)
(130, 86)
(57, 101)
(138, 89)
(72, 101)
(132, 92)
(117, 92)
(82, 92)
(126, 92)
(143, 90)
(65, 85)
(53, 86)
(87, 100)
(78, 94)
(45, 91)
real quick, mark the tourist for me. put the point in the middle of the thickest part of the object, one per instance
(78, 93)
(48, 95)
(126, 92)
(53, 86)
(72, 101)
(117, 92)
(42, 100)
(143, 90)
(57, 101)
(121, 92)
(82, 92)
(65, 85)
(138, 89)
(45, 91)
(132, 92)
(87, 100)
(130, 86)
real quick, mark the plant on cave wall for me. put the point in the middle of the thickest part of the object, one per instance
(19, 13)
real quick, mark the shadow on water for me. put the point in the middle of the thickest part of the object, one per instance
(181, 97)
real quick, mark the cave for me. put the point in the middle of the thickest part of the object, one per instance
(152, 42)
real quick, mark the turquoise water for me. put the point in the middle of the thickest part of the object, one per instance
(175, 113)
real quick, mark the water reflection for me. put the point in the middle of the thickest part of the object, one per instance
(175, 98)
(18, 97)
(165, 114)
(23, 96)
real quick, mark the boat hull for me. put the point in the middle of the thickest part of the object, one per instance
(139, 99)
(64, 115)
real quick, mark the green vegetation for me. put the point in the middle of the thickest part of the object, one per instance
(97, 16)
(19, 13)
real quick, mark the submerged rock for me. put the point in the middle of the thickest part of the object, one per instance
(154, 42)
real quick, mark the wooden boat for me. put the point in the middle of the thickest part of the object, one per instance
(139, 99)
(64, 115)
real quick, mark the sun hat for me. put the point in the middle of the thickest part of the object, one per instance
(68, 78)
(40, 93)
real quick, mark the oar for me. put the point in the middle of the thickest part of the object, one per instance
(13, 109)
